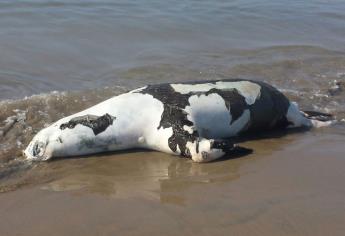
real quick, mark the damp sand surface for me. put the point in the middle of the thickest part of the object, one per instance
(290, 185)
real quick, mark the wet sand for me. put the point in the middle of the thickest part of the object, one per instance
(289, 185)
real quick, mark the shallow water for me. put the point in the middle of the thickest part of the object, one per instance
(59, 57)
(82, 44)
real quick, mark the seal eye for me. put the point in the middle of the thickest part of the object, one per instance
(38, 149)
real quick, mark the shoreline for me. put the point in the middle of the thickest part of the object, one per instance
(291, 185)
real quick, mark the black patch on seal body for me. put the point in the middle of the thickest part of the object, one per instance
(173, 115)
(224, 144)
(37, 149)
(268, 111)
(98, 124)
(234, 102)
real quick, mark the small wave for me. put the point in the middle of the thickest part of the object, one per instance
(20, 119)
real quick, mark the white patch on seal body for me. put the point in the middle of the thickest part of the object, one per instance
(141, 140)
(249, 90)
(189, 129)
(137, 119)
(211, 117)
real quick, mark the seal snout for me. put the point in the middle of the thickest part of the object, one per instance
(27, 153)
(36, 151)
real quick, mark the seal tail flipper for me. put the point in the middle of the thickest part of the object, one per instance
(298, 118)
(319, 119)
(315, 115)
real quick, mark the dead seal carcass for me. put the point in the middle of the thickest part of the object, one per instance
(194, 120)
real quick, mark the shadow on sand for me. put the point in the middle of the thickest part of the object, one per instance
(237, 152)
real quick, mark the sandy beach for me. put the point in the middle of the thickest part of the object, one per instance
(291, 185)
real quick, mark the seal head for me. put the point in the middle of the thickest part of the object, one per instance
(71, 136)
(42, 146)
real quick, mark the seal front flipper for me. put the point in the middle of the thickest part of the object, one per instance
(206, 150)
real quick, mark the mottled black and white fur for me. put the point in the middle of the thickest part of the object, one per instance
(194, 120)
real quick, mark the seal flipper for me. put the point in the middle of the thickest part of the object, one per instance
(307, 119)
(206, 150)
(315, 115)
(319, 119)
(225, 145)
